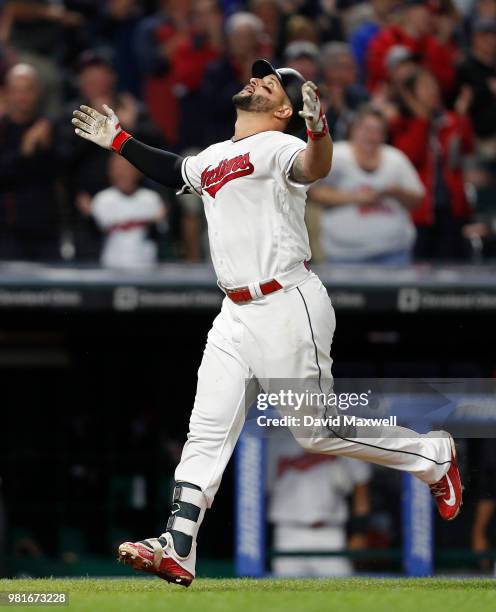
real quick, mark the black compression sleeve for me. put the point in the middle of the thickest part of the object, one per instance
(161, 166)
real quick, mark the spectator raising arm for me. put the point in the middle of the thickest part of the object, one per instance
(34, 11)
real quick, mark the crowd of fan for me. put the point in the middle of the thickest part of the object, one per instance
(426, 72)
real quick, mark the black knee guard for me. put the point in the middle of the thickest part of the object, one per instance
(188, 509)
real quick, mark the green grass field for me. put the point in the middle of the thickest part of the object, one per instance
(233, 595)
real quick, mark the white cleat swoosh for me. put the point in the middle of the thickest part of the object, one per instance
(451, 500)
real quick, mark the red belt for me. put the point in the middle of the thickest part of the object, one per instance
(242, 294)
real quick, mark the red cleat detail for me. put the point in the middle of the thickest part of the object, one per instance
(448, 491)
(140, 558)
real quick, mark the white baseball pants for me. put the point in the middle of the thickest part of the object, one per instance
(288, 538)
(286, 334)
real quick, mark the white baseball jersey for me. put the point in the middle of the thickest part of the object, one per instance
(255, 215)
(125, 219)
(255, 212)
(307, 488)
(355, 232)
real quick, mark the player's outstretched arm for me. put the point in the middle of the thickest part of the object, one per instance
(315, 161)
(106, 131)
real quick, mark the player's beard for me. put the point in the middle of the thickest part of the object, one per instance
(252, 103)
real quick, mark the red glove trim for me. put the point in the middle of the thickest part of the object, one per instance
(119, 141)
(322, 133)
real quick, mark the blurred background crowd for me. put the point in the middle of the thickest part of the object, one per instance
(409, 90)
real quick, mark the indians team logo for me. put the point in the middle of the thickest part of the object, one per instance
(227, 170)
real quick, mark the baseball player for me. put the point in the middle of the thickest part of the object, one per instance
(294, 477)
(276, 321)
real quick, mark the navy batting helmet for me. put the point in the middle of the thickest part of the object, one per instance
(291, 81)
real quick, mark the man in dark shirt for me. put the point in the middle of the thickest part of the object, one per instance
(478, 72)
(28, 210)
(342, 94)
(84, 169)
(225, 76)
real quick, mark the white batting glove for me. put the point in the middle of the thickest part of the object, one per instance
(312, 111)
(103, 130)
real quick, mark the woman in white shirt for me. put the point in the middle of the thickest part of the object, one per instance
(367, 196)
